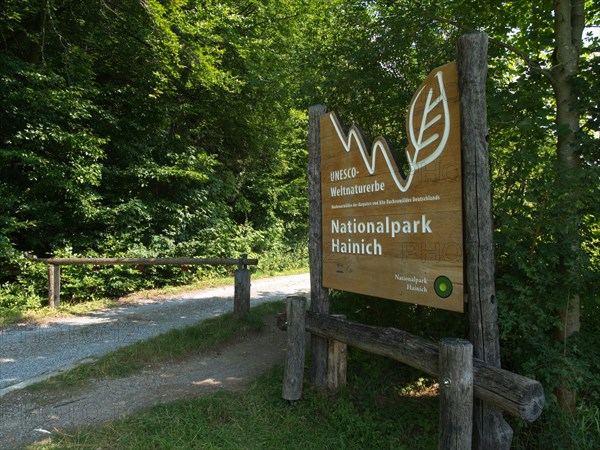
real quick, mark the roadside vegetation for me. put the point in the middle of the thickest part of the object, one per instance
(74, 308)
(384, 405)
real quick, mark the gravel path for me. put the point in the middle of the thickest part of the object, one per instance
(31, 353)
(32, 416)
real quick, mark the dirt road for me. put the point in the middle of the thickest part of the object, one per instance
(33, 353)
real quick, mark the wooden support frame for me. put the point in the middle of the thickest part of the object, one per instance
(456, 394)
(241, 295)
(337, 361)
(496, 390)
(54, 285)
(244, 261)
(319, 296)
(506, 391)
(296, 348)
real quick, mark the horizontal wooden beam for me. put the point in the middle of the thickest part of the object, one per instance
(513, 393)
(145, 261)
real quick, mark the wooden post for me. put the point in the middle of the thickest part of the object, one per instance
(456, 394)
(336, 362)
(296, 348)
(241, 295)
(319, 296)
(489, 428)
(53, 286)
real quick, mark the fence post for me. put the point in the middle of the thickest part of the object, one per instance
(456, 394)
(53, 286)
(241, 295)
(336, 362)
(296, 348)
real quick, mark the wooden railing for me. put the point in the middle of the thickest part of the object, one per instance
(462, 377)
(241, 304)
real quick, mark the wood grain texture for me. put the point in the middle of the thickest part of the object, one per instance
(146, 261)
(241, 294)
(337, 362)
(296, 348)
(510, 392)
(53, 286)
(456, 394)
(318, 294)
(490, 429)
(388, 232)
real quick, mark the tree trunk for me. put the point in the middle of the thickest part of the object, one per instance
(568, 29)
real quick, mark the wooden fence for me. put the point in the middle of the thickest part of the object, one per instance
(241, 275)
(461, 376)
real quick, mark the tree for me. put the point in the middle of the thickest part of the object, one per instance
(148, 127)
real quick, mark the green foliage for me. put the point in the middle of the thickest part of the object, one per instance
(26, 291)
(561, 430)
(428, 322)
(545, 215)
(147, 129)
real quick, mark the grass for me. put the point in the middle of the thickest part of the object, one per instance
(173, 344)
(561, 430)
(384, 405)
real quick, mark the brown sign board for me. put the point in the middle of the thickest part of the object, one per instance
(391, 233)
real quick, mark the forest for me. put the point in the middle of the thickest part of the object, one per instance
(147, 128)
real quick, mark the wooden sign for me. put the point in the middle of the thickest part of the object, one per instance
(392, 234)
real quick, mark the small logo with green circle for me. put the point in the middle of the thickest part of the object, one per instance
(443, 286)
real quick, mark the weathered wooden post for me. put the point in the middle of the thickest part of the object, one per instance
(319, 296)
(490, 429)
(337, 361)
(53, 286)
(241, 295)
(296, 348)
(456, 394)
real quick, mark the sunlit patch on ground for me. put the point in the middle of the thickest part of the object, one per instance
(423, 387)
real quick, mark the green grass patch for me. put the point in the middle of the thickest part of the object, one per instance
(385, 405)
(168, 346)
(558, 429)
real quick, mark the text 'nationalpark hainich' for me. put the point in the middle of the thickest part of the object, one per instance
(393, 228)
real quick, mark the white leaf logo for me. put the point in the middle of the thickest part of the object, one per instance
(422, 138)
(434, 111)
